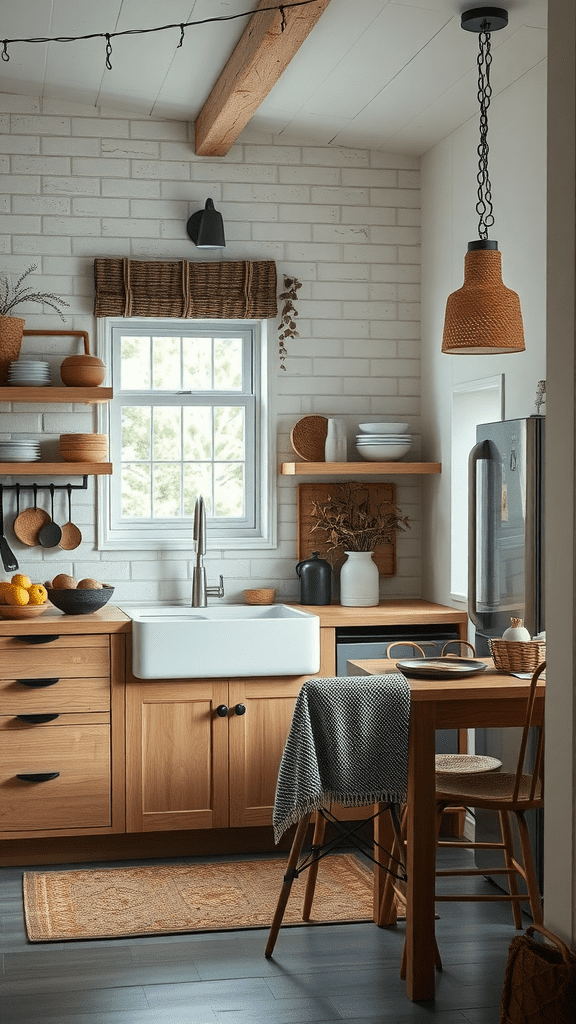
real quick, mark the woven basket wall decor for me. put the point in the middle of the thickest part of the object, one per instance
(234, 289)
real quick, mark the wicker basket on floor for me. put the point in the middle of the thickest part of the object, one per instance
(517, 656)
(540, 981)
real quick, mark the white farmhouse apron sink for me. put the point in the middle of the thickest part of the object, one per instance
(223, 641)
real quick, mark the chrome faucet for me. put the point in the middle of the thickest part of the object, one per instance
(200, 592)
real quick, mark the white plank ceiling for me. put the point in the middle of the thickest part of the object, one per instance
(396, 76)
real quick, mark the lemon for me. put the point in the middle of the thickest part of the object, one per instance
(3, 587)
(37, 594)
(19, 580)
(17, 595)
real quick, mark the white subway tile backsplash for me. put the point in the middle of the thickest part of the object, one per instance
(344, 221)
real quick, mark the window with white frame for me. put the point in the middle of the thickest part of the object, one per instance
(190, 415)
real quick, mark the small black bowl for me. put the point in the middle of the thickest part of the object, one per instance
(80, 602)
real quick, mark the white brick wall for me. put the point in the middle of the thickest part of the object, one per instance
(76, 183)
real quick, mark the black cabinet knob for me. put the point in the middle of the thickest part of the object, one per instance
(222, 711)
(240, 709)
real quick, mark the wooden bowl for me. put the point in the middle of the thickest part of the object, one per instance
(82, 371)
(22, 611)
(264, 595)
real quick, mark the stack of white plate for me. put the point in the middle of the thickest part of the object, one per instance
(29, 373)
(19, 451)
(383, 442)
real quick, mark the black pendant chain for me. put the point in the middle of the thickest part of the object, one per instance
(484, 205)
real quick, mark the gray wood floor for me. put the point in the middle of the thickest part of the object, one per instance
(319, 973)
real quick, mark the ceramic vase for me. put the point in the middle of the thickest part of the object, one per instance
(359, 580)
(335, 444)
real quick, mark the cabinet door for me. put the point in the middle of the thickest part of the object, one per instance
(257, 739)
(177, 755)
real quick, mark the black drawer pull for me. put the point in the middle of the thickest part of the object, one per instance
(36, 638)
(37, 683)
(240, 709)
(222, 711)
(37, 719)
(37, 776)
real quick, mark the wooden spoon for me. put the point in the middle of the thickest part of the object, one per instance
(28, 523)
(71, 536)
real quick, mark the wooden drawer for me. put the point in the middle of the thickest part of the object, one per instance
(78, 797)
(60, 656)
(26, 696)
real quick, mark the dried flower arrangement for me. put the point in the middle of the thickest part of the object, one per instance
(13, 295)
(351, 522)
(287, 326)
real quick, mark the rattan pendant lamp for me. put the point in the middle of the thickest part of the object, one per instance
(484, 316)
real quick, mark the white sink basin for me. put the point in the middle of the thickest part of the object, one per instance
(223, 641)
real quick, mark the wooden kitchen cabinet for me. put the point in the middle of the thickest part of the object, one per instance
(191, 767)
(61, 773)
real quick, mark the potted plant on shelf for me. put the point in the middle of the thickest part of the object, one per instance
(12, 327)
(351, 522)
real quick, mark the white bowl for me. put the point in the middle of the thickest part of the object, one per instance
(383, 428)
(382, 452)
(391, 439)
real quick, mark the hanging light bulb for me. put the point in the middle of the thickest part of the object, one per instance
(483, 316)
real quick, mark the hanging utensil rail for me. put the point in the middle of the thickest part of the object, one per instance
(46, 487)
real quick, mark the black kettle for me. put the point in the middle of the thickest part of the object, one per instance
(315, 580)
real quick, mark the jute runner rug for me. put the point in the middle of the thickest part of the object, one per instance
(163, 899)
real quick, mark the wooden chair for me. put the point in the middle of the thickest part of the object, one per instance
(312, 765)
(507, 794)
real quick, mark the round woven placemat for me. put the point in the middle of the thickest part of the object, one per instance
(308, 437)
(473, 763)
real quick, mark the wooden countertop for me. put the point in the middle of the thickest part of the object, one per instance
(406, 611)
(108, 620)
(111, 619)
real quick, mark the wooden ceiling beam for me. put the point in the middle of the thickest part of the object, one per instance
(261, 56)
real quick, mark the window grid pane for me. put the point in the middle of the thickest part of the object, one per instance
(183, 445)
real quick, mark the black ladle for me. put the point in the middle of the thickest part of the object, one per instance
(8, 557)
(50, 534)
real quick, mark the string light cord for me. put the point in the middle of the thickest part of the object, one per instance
(108, 36)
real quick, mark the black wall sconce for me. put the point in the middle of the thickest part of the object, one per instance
(206, 228)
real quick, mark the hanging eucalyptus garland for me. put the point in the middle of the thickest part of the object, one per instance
(289, 313)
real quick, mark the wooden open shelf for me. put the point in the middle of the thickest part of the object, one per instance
(89, 396)
(55, 468)
(358, 468)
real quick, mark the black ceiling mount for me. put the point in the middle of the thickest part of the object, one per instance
(484, 19)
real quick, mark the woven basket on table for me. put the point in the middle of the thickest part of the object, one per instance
(517, 655)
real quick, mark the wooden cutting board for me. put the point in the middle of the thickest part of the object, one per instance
(308, 541)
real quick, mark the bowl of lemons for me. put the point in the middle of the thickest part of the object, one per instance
(21, 598)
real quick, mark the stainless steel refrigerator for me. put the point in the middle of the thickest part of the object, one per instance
(506, 570)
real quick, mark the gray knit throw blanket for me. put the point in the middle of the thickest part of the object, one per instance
(348, 744)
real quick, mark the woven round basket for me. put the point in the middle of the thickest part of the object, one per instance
(308, 438)
(517, 656)
(265, 595)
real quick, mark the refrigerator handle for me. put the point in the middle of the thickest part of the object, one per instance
(479, 453)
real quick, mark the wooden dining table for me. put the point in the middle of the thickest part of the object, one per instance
(490, 699)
